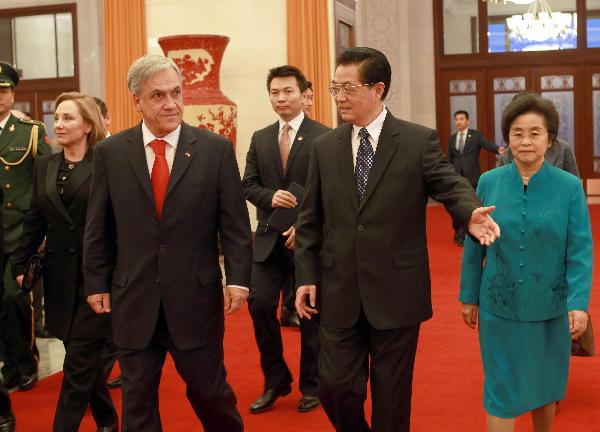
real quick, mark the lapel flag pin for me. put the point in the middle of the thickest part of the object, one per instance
(300, 138)
(187, 155)
(11, 128)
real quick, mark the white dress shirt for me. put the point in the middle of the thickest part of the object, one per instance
(3, 123)
(172, 139)
(294, 126)
(465, 134)
(374, 129)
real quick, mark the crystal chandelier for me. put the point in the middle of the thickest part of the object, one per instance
(539, 23)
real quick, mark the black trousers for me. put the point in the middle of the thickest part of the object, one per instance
(84, 382)
(268, 278)
(5, 407)
(17, 335)
(201, 368)
(346, 360)
(109, 357)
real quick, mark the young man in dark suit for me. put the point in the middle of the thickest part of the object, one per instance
(363, 221)
(162, 194)
(278, 156)
(464, 147)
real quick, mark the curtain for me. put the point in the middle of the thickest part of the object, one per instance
(124, 42)
(308, 50)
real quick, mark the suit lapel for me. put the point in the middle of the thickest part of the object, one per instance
(274, 145)
(78, 178)
(183, 157)
(136, 155)
(51, 191)
(301, 136)
(8, 134)
(386, 147)
(346, 164)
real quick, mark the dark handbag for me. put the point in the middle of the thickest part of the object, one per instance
(584, 346)
(33, 271)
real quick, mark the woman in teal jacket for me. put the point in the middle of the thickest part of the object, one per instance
(530, 289)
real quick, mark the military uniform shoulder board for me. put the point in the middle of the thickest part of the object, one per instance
(33, 140)
(33, 123)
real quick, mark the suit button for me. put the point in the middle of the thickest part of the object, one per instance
(71, 251)
(7, 185)
(157, 279)
(71, 228)
(9, 204)
(162, 248)
(522, 247)
(6, 168)
(360, 228)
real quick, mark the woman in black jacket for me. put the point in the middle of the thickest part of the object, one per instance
(59, 201)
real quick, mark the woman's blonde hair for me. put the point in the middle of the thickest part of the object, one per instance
(89, 112)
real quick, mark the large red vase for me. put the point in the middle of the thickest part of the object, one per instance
(199, 58)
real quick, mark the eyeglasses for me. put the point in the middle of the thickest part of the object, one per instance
(346, 88)
(519, 137)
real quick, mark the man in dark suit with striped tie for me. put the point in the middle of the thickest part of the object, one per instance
(464, 147)
(278, 156)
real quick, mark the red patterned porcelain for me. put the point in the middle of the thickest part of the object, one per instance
(199, 58)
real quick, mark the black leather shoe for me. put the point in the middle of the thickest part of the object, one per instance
(308, 403)
(116, 383)
(7, 423)
(10, 384)
(112, 428)
(289, 318)
(27, 382)
(266, 400)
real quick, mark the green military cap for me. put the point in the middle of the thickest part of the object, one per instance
(8, 75)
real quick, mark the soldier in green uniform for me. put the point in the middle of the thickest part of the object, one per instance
(20, 142)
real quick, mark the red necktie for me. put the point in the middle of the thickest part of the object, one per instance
(160, 174)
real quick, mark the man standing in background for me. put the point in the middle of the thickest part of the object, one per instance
(277, 158)
(464, 147)
(21, 141)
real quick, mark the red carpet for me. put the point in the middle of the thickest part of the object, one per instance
(448, 373)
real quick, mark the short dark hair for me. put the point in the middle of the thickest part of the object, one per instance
(530, 102)
(101, 106)
(374, 66)
(287, 71)
(308, 85)
(465, 113)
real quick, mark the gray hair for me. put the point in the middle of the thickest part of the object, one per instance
(145, 67)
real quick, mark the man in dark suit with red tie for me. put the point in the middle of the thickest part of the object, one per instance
(464, 147)
(278, 156)
(162, 194)
(363, 221)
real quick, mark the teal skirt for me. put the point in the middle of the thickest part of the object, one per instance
(526, 364)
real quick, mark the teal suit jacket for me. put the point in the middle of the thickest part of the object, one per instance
(541, 266)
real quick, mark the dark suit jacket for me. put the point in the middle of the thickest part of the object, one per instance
(263, 175)
(63, 225)
(143, 261)
(374, 254)
(467, 162)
